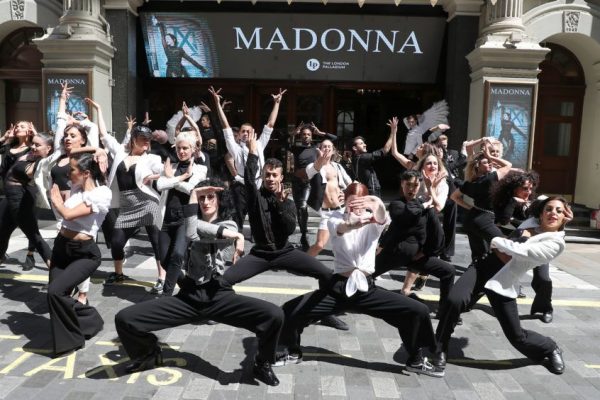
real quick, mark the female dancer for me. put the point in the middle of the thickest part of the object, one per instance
(75, 255)
(176, 183)
(138, 202)
(512, 199)
(479, 221)
(204, 294)
(538, 240)
(354, 236)
(72, 136)
(15, 143)
(16, 209)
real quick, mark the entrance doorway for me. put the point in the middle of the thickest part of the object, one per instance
(558, 121)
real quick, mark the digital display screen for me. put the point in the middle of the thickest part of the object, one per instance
(293, 46)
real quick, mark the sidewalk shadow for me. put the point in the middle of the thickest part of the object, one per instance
(35, 328)
(171, 359)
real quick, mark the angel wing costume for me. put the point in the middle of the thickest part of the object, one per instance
(437, 114)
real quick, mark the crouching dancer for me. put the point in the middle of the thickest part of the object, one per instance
(204, 294)
(354, 237)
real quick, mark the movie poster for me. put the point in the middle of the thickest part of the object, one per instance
(81, 84)
(509, 118)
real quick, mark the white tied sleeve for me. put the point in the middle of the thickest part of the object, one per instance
(356, 282)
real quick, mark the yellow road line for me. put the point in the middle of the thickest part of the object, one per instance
(293, 291)
(11, 337)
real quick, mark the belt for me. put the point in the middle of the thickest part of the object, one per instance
(333, 208)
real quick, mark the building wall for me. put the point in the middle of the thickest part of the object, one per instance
(546, 23)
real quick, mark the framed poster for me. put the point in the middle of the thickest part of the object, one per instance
(80, 81)
(509, 112)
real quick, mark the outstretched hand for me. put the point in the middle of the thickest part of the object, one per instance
(277, 97)
(393, 124)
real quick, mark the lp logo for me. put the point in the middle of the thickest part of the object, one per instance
(313, 64)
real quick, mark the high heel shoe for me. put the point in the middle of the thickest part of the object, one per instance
(150, 361)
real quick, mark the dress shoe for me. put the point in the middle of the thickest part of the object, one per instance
(439, 359)
(547, 317)
(557, 364)
(264, 373)
(334, 322)
(29, 263)
(304, 243)
(415, 297)
(420, 282)
(149, 361)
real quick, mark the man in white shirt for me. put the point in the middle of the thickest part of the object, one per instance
(239, 151)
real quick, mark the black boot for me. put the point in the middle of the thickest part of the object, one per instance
(152, 360)
(264, 373)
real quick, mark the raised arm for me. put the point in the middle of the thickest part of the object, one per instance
(217, 99)
(504, 165)
(406, 163)
(276, 101)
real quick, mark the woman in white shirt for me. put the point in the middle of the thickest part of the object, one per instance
(75, 255)
(354, 237)
(537, 241)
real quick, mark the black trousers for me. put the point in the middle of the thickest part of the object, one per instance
(401, 256)
(300, 191)
(530, 343)
(214, 300)
(121, 236)
(17, 209)
(410, 316)
(441, 269)
(542, 285)
(238, 191)
(288, 258)
(108, 226)
(72, 322)
(173, 245)
(450, 212)
(481, 229)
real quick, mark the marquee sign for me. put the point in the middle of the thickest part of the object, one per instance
(298, 46)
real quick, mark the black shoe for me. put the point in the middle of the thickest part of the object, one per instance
(264, 373)
(547, 317)
(415, 297)
(521, 295)
(446, 258)
(439, 359)
(334, 322)
(150, 361)
(29, 263)
(420, 365)
(420, 282)
(557, 364)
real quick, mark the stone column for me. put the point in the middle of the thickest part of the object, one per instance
(82, 41)
(502, 53)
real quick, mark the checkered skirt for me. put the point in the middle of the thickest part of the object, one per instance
(137, 209)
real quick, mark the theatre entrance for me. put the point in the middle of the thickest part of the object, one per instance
(558, 121)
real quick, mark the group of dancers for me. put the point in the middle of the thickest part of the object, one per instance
(194, 220)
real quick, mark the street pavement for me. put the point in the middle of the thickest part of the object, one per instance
(366, 362)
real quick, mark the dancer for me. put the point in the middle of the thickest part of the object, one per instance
(479, 221)
(16, 208)
(328, 181)
(75, 255)
(512, 197)
(137, 201)
(176, 184)
(204, 294)
(239, 151)
(363, 163)
(419, 126)
(304, 153)
(273, 219)
(354, 235)
(538, 240)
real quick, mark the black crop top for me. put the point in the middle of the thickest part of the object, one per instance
(60, 176)
(479, 190)
(18, 172)
(9, 159)
(126, 177)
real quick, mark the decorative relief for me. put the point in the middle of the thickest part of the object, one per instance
(571, 21)
(17, 9)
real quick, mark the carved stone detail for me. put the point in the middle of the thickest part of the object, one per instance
(17, 9)
(571, 21)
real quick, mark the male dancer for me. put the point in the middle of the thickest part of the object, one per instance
(273, 219)
(362, 164)
(304, 153)
(239, 151)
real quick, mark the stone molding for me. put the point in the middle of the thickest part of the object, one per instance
(129, 5)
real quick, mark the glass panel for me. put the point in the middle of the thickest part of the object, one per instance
(29, 95)
(309, 108)
(345, 125)
(559, 107)
(557, 139)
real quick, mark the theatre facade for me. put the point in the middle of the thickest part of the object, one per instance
(527, 72)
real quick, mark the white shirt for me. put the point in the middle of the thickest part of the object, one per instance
(239, 152)
(99, 199)
(357, 248)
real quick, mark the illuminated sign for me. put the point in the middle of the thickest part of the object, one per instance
(297, 46)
